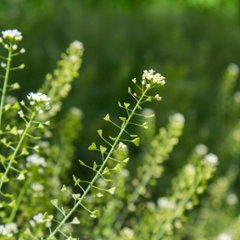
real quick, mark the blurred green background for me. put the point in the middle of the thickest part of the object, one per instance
(190, 42)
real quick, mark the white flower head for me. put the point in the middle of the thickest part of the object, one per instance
(39, 100)
(36, 160)
(224, 236)
(166, 203)
(128, 233)
(77, 45)
(232, 199)
(152, 77)
(178, 118)
(201, 149)
(12, 35)
(8, 229)
(37, 187)
(38, 218)
(233, 69)
(236, 97)
(211, 159)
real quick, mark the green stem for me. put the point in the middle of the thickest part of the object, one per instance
(177, 213)
(19, 199)
(4, 176)
(134, 196)
(6, 77)
(100, 170)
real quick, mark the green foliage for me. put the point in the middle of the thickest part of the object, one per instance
(148, 185)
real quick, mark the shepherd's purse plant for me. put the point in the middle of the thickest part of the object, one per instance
(37, 200)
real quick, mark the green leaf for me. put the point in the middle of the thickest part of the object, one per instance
(82, 163)
(126, 105)
(103, 149)
(92, 147)
(94, 214)
(136, 141)
(14, 131)
(94, 166)
(24, 151)
(106, 171)
(76, 196)
(75, 221)
(122, 119)
(112, 138)
(76, 181)
(54, 202)
(118, 168)
(107, 118)
(63, 189)
(100, 132)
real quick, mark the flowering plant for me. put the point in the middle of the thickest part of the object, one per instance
(35, 203)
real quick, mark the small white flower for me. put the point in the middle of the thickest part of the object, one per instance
(37, 187)
(77, 45)
(38, 218)
(224, 236)
(3, 65)
(201, 149)
(236, 97)
(232, 199)
(8, 229)
(76, 111)
(36, 160)
(157, 97)
(22, 50)
(39, 100)
(177, 117)
(12, 35)
(11, 227)
(211, 159)
(21, 114)
(153, 77)
(112, 190)
(166, 203)
(15, 47)
(190, 169)
(233, 69)
(128, 233)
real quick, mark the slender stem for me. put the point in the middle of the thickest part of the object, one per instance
(6, 77)
(100, 170)
(4, 176)
(19, 199)
(162, 231)
(132, 199)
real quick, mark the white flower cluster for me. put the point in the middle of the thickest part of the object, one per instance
(76, 45)
(39, 218)
(224, 236)
(177, 118)
(37, 187)
(8, 229)
(166, 203)
(151, 77)
(12, 35)
(128, 233)
(201, 149)
(211, 159)
(39, 100)
(36, 160)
